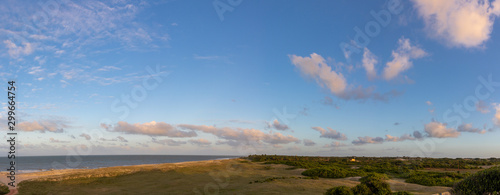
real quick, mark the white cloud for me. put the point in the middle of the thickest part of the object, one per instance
(51, 125)
(368, 140)
(496, 119)
(469, 128)
(52, 140)
(398, 139)
(228, 142)
(64, 83)
(482, 107)
(316, 68)
(40, 59)
(334, 145)
(122, 139)
(369, 61)
(402, 58)
(278, 126)
(59, 52)
(330, 133)
(77, 28)
(150, 128)
(108, 68)
(391, 138)
(465, 23)
(35, 70)
(39, 37)
(86, 136)
(242, 136)
(200, 142)
(94, 21)
(85, 74)
(439, 130)
(72, 73)
(308, 142)
(169, 142)
(16, 51)
(417, 135)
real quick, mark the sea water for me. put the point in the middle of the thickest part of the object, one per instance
(42, 163)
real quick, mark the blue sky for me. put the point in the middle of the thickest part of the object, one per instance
(337, 78)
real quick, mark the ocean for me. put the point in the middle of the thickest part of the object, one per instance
(43, 163)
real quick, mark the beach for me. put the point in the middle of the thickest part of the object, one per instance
(229, 176)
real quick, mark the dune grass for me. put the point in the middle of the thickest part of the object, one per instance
(234, 176)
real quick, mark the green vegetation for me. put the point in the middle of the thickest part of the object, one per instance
(361, 189)
(331, 172)
(373, 183)
(423, 171)
(483, 182)
(270, 179)
(4, 189)
(435, 178)
(264, 174)
(376, 183)
(339, 190)
(377, 164)
(223, 177)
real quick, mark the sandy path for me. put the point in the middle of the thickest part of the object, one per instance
(12, 191)
(19, 178)
(401, 185)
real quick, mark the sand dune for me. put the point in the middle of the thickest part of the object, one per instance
(233, 176)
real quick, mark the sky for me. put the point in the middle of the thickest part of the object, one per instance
(320, 78)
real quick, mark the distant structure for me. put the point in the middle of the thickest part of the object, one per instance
(353, 160)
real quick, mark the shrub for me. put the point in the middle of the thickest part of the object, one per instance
(4, 189)
(376, 183)
(268, 168)
(326, 172)
(435, 178)
(361, 189)
(374, 176)
(483, 182)
(339, 190)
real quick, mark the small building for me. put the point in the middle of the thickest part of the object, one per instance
(353, 160)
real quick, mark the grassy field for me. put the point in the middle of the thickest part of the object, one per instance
(234, 176)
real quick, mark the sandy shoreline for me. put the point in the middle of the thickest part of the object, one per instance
(100, 172)
(226, 176)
